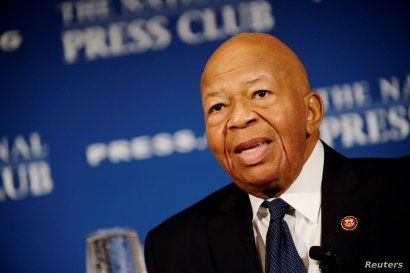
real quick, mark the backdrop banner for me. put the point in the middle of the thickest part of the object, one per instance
(100, 112)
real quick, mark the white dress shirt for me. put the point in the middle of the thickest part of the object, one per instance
(304, 216)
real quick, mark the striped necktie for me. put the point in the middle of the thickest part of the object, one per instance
(281, 253)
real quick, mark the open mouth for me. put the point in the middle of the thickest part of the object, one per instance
(250, 145)
(253, 151)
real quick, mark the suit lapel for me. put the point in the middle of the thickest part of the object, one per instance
(338, 201)
(230, 235)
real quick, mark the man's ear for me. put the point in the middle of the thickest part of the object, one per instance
(314, 107)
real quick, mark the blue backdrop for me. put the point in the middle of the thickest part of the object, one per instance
(101, 120)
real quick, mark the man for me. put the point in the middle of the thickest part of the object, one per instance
(262, 125)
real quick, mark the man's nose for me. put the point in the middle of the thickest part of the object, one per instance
(241, 116)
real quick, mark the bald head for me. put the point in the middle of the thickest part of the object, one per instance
(262, 121)
(259, 48)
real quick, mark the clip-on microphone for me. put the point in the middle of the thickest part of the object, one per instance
(326, 257)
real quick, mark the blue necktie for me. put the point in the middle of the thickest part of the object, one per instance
(281, 253)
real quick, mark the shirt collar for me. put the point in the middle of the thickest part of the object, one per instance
(304, 194)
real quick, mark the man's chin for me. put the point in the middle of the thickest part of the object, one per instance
(266, 188)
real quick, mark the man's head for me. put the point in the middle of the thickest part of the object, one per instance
(262, 121)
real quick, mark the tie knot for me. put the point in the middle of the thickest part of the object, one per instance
(277, 208)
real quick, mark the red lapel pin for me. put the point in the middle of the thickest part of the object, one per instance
(349, 223)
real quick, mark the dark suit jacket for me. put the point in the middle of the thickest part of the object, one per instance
(216, 234)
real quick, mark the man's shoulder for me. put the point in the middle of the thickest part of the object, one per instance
(369, 168)
(366, 177)
(197, 214)
(382, 168)
(384, 178)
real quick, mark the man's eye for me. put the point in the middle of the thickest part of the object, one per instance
(217, 107)
(261, 93)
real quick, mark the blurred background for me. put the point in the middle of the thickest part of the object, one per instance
(100, 114)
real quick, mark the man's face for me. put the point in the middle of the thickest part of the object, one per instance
(255, 120)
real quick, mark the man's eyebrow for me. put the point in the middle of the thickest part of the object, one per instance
(213, 94)
(262, 77)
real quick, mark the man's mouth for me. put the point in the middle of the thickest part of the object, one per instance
(252, 151)
(251, 144)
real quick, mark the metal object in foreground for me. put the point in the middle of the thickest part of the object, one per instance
(114, 250)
